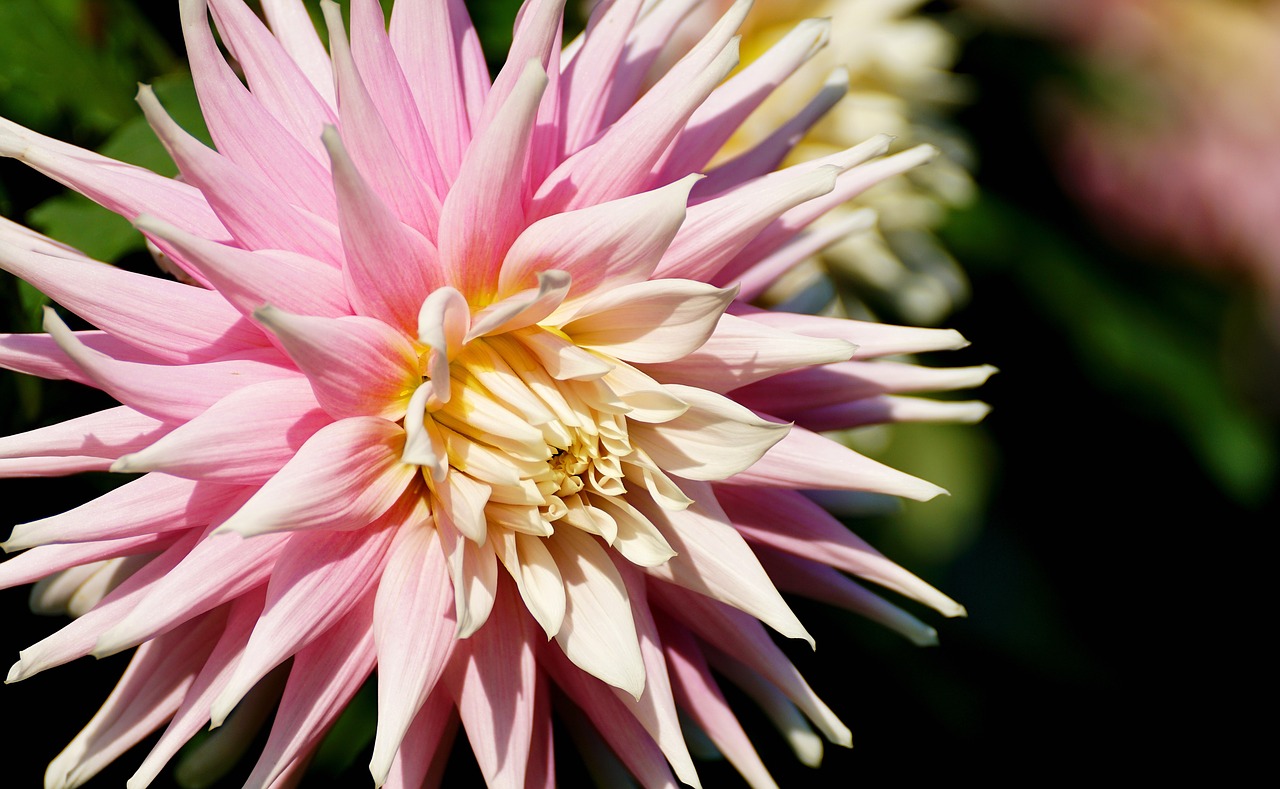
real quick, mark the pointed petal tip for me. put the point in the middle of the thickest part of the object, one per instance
(16, 673)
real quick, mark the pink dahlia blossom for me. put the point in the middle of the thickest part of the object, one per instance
(454, 387)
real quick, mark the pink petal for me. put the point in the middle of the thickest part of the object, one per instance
(740, 352)
(376, 155)
(166, 319)
(373, 235)
(314, 492)
(443, 66)
(590, 75)
(413, 629)
(763, 273)
(619, 162)
(45, 560)
(493, 679)
(699, 696)
(839, 383)
(154, 504)
(537, 34)
(39, 354)
(713, 560)
(325, 676)
(252, 208)
(787, 521)
(812, 462)
(244, 438)
(77, 639)
(250, 279)
(273, 77)
(218, 569)
(168, 393)
(483, 214)
(120, 188)
(242, 128)
(720, 228)
(320, 579)
(150, 690)
(357, 366)
(106, 434)
(767, 155)
(431, 733)
(291, 25)
(888, 409)
(719, 117)
(819, 582)
(873, 339)
(740, 635)
(602, 246)
(193, 713)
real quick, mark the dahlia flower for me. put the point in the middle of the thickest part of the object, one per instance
(453, 385)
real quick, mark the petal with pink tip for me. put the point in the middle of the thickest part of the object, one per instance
(699, 696)
(494, 679)
(377, 156)
(535, 39)
(356, 366)
(440, 54)
(598, 633)
(106, 434)
(373, 235)
(818, 581)
(150, 690)
(251, 207)
(193, 713)
(316, 491)
(807, 460)
(218, 569)
(718, 229)
(244, 438)
(168, 393)
(741, 352)
(483, 213)
(120, 188)
(169, 320)
(653, 321)
(413, 629)
(273, 77)
(242, 129)
(716, 438)
(250, 279)
(787, 521)
(153, 504)
(601, 246)
(319, 579)
(324, 677)
(712, 559)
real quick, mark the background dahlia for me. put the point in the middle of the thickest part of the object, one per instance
(453, 385)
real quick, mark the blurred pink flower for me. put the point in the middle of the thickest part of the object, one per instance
(1183, 157)
(460, 376)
